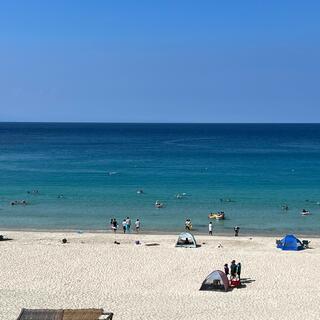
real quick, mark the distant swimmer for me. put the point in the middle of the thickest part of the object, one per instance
(33, 192)
(60, 196)
(285, 207)
(158, 204)
(140, 191)
(226, 200)
(305, 212)
(17, 202)
(182, 195)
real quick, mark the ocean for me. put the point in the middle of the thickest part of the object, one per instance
(77, 176)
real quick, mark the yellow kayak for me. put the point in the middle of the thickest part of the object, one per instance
(217, 215)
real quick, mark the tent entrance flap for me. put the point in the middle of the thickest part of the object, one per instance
(186, 240)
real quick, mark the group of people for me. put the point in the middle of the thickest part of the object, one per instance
(234, 272)
(210, 229)
(126, 225)
(18, 202)
(188, 227)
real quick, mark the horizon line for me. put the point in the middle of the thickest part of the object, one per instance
(134, 122)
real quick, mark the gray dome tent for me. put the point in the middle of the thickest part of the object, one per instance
(216, 280)
(186, 240)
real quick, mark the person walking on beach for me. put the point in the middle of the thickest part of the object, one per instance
(233, 269)
(239, 270)
(124, 225)
(128, 224)
(236, 231)
(210, 227)
(137, 225)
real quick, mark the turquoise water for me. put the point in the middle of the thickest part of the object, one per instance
(258, 166)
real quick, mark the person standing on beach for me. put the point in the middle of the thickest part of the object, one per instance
(128, 224)
(137, 225)
(233, 269)
(124, 225)
(210, 227)
(226, 269)
(236, 231)
(239, 270)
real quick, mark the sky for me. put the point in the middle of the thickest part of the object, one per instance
(159, 61)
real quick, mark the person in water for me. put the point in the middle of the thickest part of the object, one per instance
(236, 231)
(188, 224)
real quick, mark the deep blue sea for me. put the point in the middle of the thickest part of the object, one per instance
(98, 168)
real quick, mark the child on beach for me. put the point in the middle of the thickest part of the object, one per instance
(137, 225)
(210, 227)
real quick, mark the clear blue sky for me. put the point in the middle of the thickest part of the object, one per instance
(160, 61)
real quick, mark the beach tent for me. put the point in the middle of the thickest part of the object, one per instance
(186, 240)
(66, 314)
(290, 242)
(216, 280)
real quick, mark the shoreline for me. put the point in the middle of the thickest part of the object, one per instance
(243, 233)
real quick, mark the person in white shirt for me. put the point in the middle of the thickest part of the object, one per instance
(137, 225)
(124, 225)
(210, 227)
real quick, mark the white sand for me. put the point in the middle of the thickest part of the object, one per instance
(161, 282)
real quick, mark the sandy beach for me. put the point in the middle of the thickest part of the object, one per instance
(156, 282)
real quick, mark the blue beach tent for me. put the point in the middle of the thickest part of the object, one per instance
(290, 242)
